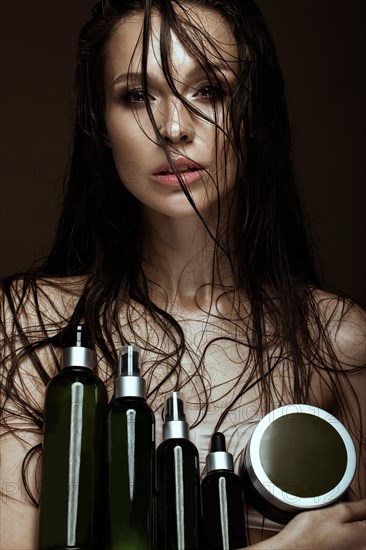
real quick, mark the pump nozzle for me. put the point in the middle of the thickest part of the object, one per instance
(77, 348)
(174, 407)
(175, 425)
(129, 382)
(129, 361)
(76, 336)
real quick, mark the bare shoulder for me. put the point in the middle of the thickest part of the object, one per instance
(345, 324)
(27, 303)
(30, 311)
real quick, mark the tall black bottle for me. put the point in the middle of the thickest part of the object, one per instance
(74, 413)
(130, 468)
(178, 483)
(222, 500)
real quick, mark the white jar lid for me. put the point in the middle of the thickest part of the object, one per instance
(300, 457)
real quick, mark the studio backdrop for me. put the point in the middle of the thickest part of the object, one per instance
(321, 45)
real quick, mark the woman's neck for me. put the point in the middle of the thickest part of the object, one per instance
(183, 263)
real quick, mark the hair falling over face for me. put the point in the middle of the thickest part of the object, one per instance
(269, 316)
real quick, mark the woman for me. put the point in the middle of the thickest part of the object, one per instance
(182, 233)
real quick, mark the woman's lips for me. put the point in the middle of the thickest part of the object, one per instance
(189, 172)
(187, 177)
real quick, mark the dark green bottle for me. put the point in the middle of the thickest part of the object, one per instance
(178, 483)
(130, 461)
(222, 500)
(74, 414)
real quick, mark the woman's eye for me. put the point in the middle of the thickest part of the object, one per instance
(134, 96)
(211, 92)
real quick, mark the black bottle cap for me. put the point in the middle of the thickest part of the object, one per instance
(174, 408)
(76, 336)
(218, 442)
(175, 425)
(218, 457)
(129, 382)
(129, 361)
(78, 351)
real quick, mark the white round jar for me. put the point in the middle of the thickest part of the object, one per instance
(298, 458)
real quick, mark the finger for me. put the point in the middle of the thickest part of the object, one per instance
(356, 535)
(352, 511)
(350, 496)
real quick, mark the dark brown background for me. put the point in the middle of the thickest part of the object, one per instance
(321, 45)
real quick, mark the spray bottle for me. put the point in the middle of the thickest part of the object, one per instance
(74, 412)
(130, 467)
(179, 502)
(222, 500)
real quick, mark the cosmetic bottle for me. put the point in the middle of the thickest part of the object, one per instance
(222, 500)
(74, 415)
(130, 460)
(179, 501)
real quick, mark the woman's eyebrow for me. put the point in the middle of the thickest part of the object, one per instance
(191, 73)
(125, 77)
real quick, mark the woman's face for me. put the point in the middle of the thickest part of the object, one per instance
(197, 148)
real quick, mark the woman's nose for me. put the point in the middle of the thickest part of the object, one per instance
(176, 124)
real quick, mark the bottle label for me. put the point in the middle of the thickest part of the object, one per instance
(224, 518)
(179, 495)
(76, 432)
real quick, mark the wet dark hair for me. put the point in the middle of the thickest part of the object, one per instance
(98, 239)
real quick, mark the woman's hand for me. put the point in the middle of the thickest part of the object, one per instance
(338, 527)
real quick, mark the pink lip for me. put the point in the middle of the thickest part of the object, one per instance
(172, 179)
(194, 173)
